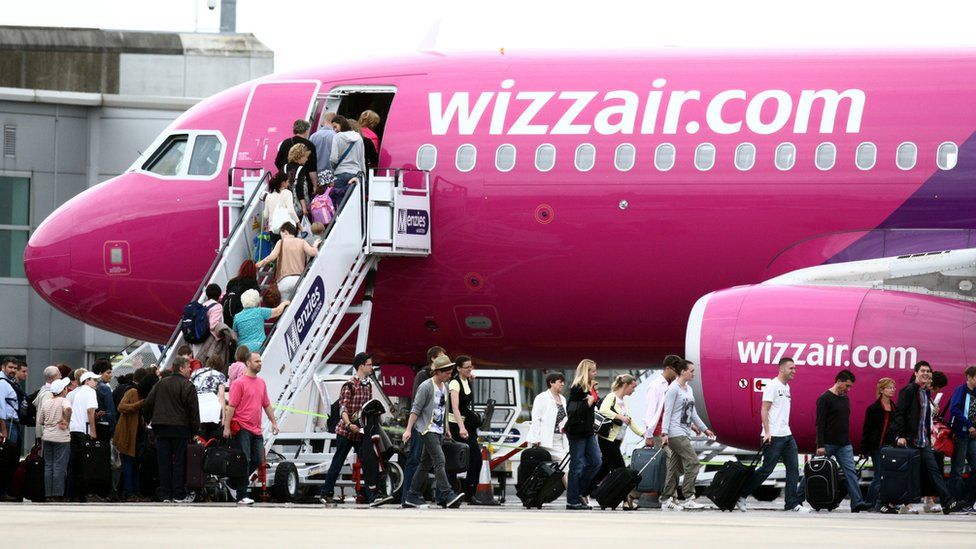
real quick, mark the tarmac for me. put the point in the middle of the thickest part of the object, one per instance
(273, 526)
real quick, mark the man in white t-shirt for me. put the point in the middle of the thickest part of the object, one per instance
(84, 403)
(777, 439)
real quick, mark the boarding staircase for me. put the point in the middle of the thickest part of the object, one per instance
(388, 217)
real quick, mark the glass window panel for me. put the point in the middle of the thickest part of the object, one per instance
(664, 157)
(505, 158)
(466, 157)
(12, 245)
(785, 156)
(705, 156)
(623, 159)
(166, 161)
(745, 156)
(205, 158)
(948, 155)
(866, 155)
(826, 155)
(585, 157)
(14, 200)
(906, 156)
(545, 157)
(426, 157)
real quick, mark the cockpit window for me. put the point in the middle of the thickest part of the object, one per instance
(166, 160)
(206, 155)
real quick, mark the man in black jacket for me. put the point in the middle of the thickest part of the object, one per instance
(173, 411)
(912, 425)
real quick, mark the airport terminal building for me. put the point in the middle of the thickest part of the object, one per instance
(76, 106)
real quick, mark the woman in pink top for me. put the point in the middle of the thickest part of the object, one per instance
(368, 122)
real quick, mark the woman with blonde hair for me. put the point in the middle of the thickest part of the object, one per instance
(614, 408)
(369, 121)
(877, 433)
(298, 156)
(584, 450)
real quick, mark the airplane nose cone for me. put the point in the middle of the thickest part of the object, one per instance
(47, 260)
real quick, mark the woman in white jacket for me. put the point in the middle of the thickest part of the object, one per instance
(549, 418)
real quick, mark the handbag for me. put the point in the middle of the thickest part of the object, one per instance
(602, 424)
(278, 218)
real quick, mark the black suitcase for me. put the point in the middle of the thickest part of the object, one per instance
(655, 475)
(621, 482)
(727, 485)
(225, 460)
(96, 464)
(825, 483)
(900, 475)
(195, 477)
(456, 455)
(543, 484)
(148, 472)
(34, 478)
(529, 460)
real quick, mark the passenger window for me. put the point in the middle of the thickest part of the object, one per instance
(826, 156)
(906, 156)
(426, 157)
(664, 157)
(167, 159)
(705, 156)
(545, 157)
(785, 156)
(206, 155)
(505, 158)
(585, 157)
(948, 156)
(745, 156)
(866, 156)
(623, 158)
(466, 157)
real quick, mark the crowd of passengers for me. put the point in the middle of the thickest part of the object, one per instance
(151, 417)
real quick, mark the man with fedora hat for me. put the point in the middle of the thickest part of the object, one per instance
(429, 415)
(354, 394)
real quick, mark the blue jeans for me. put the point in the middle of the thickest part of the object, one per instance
(56, 456)
(874, 490)
(415, 449)
(779, 449)
(130, 474)
(340, 188)
(253, 447)
(965, 453)
(845, 458)
(584, 464)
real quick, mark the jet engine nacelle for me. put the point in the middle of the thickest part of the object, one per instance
(737, 336)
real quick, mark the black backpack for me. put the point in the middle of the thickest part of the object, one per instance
(334, 416)
(231, 303)
(19, 403)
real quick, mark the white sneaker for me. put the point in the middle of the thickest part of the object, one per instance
(932, 508)
(692, 504)
(911, 509)
(246, 501)
(741, 504)
(671, 505)
(801, 509)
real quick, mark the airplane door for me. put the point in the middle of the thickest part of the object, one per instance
(271, 109)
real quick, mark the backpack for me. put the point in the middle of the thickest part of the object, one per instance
(30, 417)
(334, 416)
(322, 207)
(19, 403)
(195, 323)
(232, 305)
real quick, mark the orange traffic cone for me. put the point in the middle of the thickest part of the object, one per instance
(484, 494)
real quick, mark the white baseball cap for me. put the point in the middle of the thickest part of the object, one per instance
(88, 375)
(58, 385)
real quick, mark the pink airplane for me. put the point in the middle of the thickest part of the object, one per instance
(602, 206)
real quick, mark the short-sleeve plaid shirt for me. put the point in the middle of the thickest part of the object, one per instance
(353, 395)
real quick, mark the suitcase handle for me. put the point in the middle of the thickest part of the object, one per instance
(758, 456)
(563, 462)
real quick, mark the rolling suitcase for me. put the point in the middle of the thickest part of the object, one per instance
(195, 477)
(34, 475)
(96, 464)
(900, 475)
(529, 460)
(654, 477)
(543, 483)
(727, 485)
(619, 483)
(456, 456)
(825, 483)
(225, 460)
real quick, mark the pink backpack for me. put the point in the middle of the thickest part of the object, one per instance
(322, 207)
